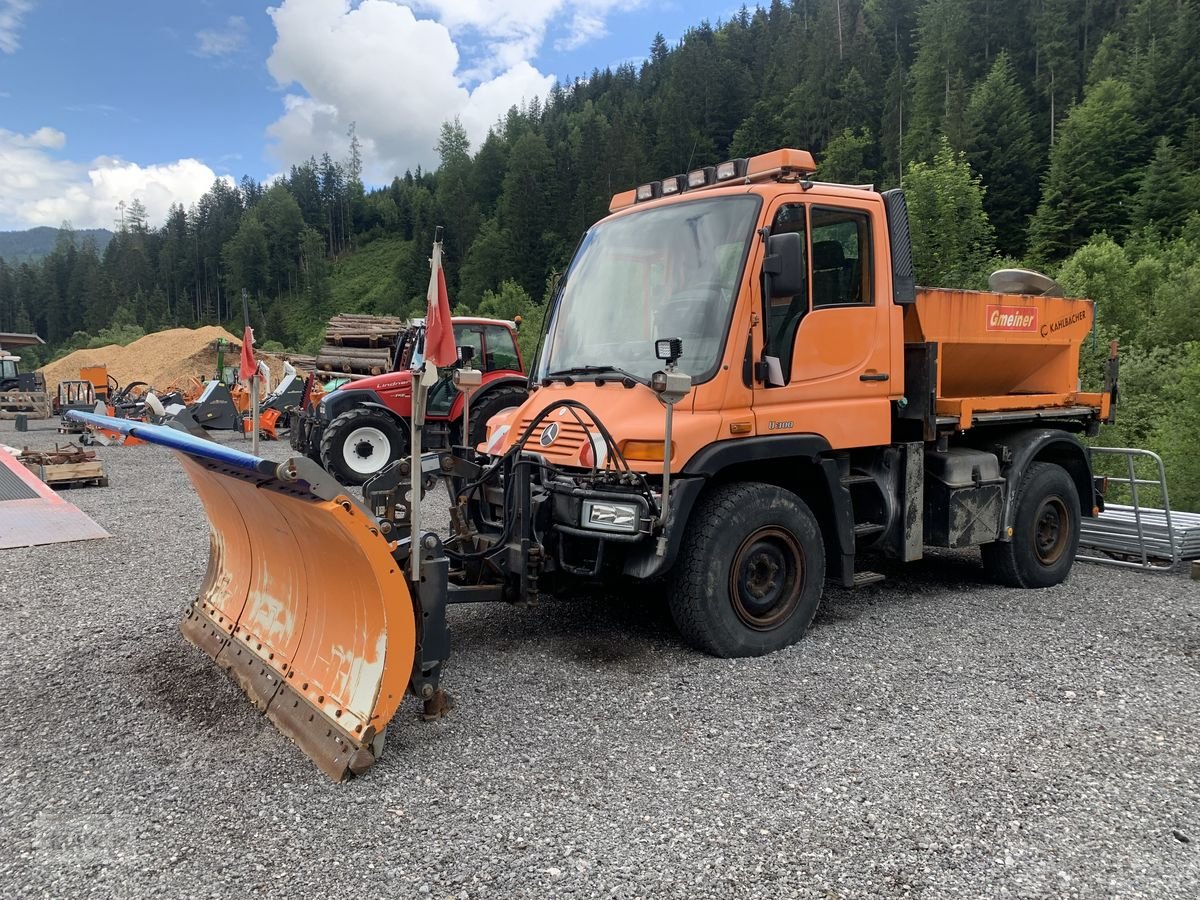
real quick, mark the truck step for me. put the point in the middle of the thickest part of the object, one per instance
(857, 479)
(866, 529)
(862, 579)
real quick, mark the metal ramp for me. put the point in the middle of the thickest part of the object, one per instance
(1135, 535)
(31, 513)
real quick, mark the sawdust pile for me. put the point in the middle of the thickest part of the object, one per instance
(162, 359)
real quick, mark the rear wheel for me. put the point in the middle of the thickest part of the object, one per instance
(750, 572)
(360, 442)
(1045, 531)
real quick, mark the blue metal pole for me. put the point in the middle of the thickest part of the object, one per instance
(179, 440)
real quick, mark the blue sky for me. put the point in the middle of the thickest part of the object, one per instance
(101, 102)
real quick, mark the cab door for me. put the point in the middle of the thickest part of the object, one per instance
(828, 349)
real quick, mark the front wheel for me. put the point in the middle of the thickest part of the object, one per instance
(750, 572)
(1045, 531)
(360, 442)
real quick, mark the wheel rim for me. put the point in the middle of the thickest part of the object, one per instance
(366, 450)
(767, 578)
(1051, 530)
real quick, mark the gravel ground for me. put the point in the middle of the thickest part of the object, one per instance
(933, 737)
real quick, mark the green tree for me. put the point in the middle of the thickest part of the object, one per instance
(1167, 194)
(508, 302)
(523, 209)
(943, 28)
(1093, 173)
(953, 241)
(848, 158)
(245, 257)
(1177, 434)
(1102, 271)
(1001, 148)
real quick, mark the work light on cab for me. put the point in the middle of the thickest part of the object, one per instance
(669, 350)
(648, 191)
(734, 168)
(673, 185)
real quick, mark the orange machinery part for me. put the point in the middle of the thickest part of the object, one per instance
(305, 607)
(1003, 351)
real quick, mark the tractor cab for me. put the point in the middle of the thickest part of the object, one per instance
(488, 346)
(8, 371)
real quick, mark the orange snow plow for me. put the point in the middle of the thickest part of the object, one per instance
(325, 650)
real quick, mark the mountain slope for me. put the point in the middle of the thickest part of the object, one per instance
(34, 243)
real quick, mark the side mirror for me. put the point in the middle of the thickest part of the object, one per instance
(784, 264)
(466, 353)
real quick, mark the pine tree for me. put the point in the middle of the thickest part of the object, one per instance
(1093, 173)
(1167, 194)
(943, 33)
(522, 209)
(1001, 148)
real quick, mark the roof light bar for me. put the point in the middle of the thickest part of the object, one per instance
(778, 165)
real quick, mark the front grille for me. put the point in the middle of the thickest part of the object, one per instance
(567, 443)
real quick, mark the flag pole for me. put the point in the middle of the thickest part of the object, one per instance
(420, 386)
(253, 384)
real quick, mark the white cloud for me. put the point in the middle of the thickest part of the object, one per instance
(223, 41)
(38, 188)
(12, 12)
(398, 77)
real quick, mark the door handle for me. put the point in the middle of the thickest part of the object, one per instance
(873, 376)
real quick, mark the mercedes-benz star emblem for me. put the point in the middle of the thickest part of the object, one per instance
(549, 435)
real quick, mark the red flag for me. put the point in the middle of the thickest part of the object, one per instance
(440, 348)
(249, 368)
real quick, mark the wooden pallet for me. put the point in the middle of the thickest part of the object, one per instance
(34, 404)
(84, 474)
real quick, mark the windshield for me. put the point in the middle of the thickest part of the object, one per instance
(8, 369)
(661, 273)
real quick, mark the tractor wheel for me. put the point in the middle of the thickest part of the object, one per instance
(492, 402)
(750, 572)
(1045, 531)
(359, 443)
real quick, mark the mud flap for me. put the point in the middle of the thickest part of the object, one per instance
(303, 603)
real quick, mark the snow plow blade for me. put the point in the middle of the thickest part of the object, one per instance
(303, 604)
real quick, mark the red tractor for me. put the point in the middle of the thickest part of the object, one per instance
(357, 429)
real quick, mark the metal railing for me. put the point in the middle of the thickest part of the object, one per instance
(1137, 536)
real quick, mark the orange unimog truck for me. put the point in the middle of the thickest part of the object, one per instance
(740, 395)
(830, 408)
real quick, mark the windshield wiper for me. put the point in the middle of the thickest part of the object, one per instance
(566, 374)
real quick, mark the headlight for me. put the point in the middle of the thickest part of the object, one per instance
(604, 516)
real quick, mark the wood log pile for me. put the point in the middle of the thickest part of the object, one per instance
(359, 344)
